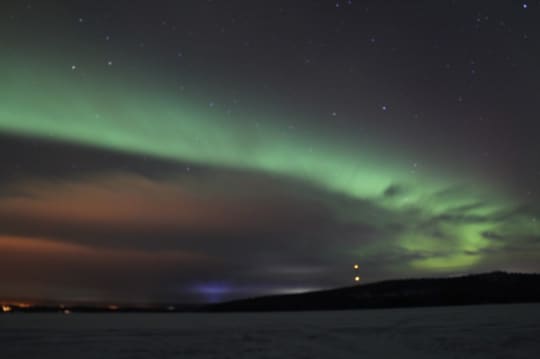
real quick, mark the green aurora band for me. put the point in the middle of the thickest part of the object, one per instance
(131, 116)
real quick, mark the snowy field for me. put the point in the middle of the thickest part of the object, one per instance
(497, 331)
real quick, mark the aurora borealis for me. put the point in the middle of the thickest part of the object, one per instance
(203, 150)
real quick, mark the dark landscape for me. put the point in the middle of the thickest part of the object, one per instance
(487, 288)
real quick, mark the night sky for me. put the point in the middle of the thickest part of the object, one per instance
(201, 150)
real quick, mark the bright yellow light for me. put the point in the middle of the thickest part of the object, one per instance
(357, 278)
(6, 308)
(356, 266)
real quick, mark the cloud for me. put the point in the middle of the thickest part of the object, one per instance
(237, 222)
(394, 191)
(156, 231)
(38, 268)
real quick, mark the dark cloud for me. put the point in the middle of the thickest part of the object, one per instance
(238, 225)
(26, 157)
(394, 191)
(174, 230)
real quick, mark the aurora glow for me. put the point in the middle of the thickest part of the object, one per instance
(153, 122)
(330, 190)
(181, 132)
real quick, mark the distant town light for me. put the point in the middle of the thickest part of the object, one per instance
(6, 308)
(23, 305)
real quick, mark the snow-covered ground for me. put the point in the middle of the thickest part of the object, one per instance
(496, 331)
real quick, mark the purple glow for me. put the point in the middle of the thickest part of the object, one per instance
(212, 292)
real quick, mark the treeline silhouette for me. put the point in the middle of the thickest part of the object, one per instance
(489, 288)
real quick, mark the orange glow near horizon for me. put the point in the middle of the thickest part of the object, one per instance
(22, 305)
(31, 265)
(118, 200)
(33, 246)
(15, 304)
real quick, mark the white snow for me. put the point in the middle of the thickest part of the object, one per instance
(496, 331)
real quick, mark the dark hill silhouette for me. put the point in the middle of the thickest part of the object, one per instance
(489, 288)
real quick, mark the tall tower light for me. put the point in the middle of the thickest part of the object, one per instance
(356, 268)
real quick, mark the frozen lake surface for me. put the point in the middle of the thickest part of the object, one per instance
(495, 331)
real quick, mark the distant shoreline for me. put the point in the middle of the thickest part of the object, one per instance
(476, 289)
